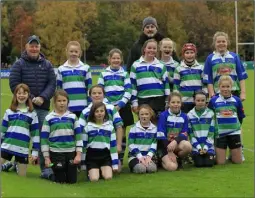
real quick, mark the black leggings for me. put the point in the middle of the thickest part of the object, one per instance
(64, 169)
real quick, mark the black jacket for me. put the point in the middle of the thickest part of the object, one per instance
(135, 52)
(37, 74)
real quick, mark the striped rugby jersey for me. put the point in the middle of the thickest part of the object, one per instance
(171, 127)
(76, 81)
(117, 86)
(229, 64)
(201, 130)
(228, 111)
(100, 137)
(141, 141)
(187, 80)
(17, 130)
(170, 67)
(61, 133)
(148, 80)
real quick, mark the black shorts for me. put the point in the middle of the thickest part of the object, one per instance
(8, 156)
(231, 141)
(186, 107)
(122, 153)
(65, 157)
(206, 160)
(156, 103)
(96, 158)
(127, 115)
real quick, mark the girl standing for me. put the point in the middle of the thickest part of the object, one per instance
(142, 142)
(229, 116)
(100, 143)
(149, 78)
(166, 47)
(61, 141)
(117, 87)
(19, 125)
(188, 76)
(173, 134)
(75, 78)
(223, 62)
(201, 131)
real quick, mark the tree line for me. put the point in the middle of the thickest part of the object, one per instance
(100, 26)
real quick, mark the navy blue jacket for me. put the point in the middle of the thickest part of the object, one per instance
(37, 74)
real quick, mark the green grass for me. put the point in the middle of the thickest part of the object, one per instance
(220, 181)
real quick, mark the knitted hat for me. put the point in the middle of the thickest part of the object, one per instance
(33, 38)
(189, 46)
(150, 20)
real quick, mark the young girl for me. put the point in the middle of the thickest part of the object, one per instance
(142, 142)
(202, 131)
(172, 134)
(19, 125)
(75, 78)
(100, 143)
(229, 116)
(149, 78)
(188, 76)
(97, 95)
(166, 47)
(61, 141)
(223, 62)
(117, 87)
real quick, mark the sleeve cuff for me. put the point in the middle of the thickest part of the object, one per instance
(139, 155)
(35, 153)
(150, 154)
(115, 167)
(78, 149)
(46, 154)
(199, 147)
(205, 147)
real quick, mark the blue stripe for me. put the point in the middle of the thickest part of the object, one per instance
(34, 127)
(117, 120)
(5, 123)
(17, 136)
(190, 71)
(190, 88)
(201, 139)
(152, 150)
(227, 120)
(127, 86)
(66, 138)
(150, 86)
(15, 153)
(88, 81)
(174, 124)
(101, 132)
(212, 129)
(115, 162)
(59, 83)
(77, 108)
(121, 104)
(142, 135)
(36, 146)
(76, 90)
(135, 151)
(44, 135)
(73, 73)
(113, 143)
(114, 93)
(113, 77)
(21, 117)
(77, 130)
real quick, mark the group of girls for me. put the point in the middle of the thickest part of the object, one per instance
(87, 126)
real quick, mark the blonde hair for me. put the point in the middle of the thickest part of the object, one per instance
(74, 43)
(161, 42)
(112, 51)
(218, 33)
(146, 43)
(153, 116)
(225, 78)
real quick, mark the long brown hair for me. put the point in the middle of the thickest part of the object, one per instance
(93, 109)
(15, 102)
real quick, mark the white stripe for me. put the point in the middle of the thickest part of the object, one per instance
(145, 81)
(60, 150)
(15, 148)
(98, 145)
(19, 130)
(61, 132)
(74, 85)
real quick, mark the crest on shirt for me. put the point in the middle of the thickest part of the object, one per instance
(226, 113)
(224, 70)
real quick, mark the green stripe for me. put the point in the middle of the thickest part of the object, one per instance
(99, 139)
(187, 93)
(73, 79)
(16, 142)
(199, 127)
(229, 126)
(59, 126)
(223, 65)
(143, 141)
(114, 82)
(19, 123)
(191, 77)
(77, 96)
(150, 93)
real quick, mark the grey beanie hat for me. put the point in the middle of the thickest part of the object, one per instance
(150, 20)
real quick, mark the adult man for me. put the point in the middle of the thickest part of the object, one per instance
(150, 31)
(35, 71)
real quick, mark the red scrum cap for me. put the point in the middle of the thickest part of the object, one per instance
(189, 46)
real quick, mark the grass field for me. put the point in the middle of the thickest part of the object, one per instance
(228, 180)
